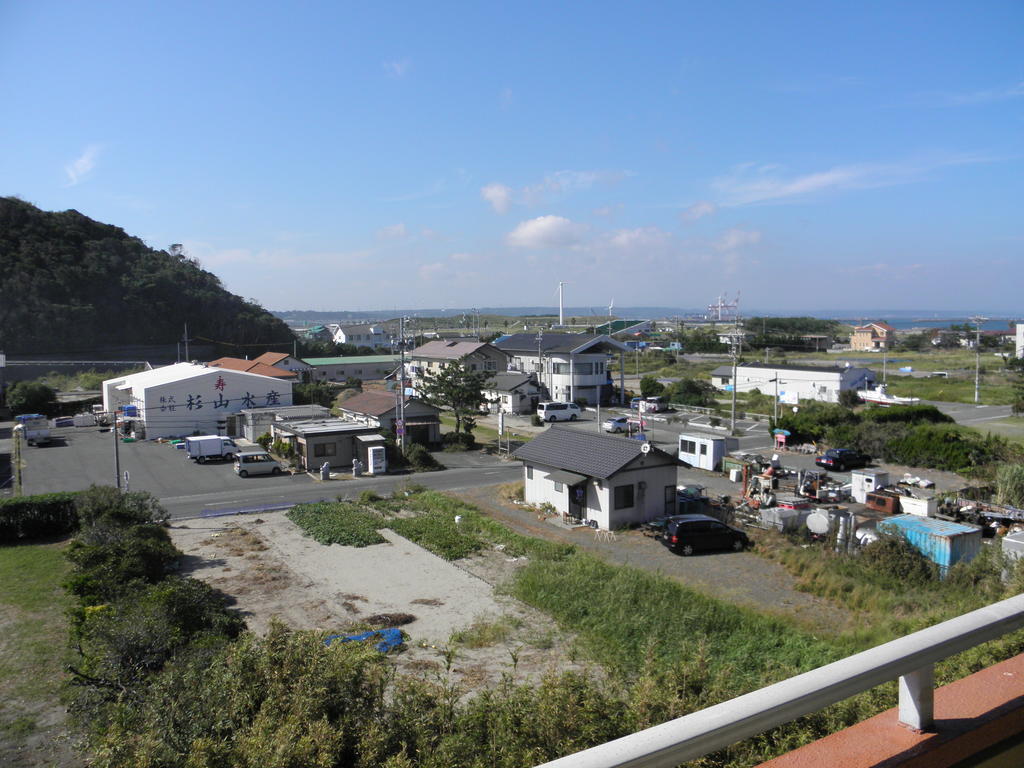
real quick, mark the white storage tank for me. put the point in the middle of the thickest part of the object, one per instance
(865, 481)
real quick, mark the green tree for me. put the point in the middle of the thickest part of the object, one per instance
(693, 392)
(1010, 484)
(650, 386)
(313, 392)
(455, 388)
(31, 397)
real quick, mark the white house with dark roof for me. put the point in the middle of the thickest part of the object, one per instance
(512, 392)
(473, 356)
(571, 366)
(793, 383)
(604, 480)
(359, 335)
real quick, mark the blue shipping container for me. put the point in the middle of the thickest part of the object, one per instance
(942, 542)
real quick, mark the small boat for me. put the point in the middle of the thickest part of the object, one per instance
(880, 396)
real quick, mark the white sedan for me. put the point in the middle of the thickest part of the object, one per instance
(616, 424)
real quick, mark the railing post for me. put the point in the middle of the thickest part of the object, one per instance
(917, 699)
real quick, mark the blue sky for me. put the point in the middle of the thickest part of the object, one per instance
(327, 155)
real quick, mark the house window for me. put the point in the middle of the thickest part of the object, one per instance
(624, 497)
(703, 449)
(584, 369)
(489, 365)
(687, 446)
(472, 366)
(561, 368)
(529, 472)
(325, 449)
(558, 487)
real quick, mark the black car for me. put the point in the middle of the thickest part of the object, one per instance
(686, 534)
(842, 459)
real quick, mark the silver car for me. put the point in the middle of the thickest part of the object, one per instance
(616, 424)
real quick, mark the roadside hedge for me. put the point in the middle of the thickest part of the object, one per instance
(46, 515)
(914, 435)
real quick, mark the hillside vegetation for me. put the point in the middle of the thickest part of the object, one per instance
(72, 283)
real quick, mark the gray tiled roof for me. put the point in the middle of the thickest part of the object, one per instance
(506, 382)
(555, 343)
(586, 453)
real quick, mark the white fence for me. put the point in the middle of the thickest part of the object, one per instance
(909, 658)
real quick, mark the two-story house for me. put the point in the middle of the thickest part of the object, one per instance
(359, 335)
(473, 356)
(571, 366)
(873, 337)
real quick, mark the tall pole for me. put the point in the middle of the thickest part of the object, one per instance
(776, 411)
(561, 310)
(117, 457)
(885, 358)
(737, 342)
(401, 382)
(978, 320)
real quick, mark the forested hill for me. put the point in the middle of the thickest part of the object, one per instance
(69, 283)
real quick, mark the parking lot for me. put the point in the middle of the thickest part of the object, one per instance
(84, 456)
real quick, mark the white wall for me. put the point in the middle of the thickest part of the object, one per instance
(821, 385)
(649, 502)
(1020, 339)
(166, 407)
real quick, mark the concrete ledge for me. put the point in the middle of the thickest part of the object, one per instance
(971, 715)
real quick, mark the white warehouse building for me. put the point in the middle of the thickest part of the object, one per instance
(794, 383)
(187, 398)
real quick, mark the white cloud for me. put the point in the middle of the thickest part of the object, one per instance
(750, 183)
(394, 232)
(699, 210)
(498, 195)
(397, 67)
(546, 232)
(641, 238)
(83, 165)
(734, 239)
(553, 185)
(462, 257)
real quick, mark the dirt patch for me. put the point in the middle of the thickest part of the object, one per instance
(454, 618)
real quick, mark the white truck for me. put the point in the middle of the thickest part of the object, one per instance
(35, 428)
(206, 447)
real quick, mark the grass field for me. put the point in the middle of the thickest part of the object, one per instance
(33, 636)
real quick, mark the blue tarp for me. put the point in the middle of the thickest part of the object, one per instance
(390, 638)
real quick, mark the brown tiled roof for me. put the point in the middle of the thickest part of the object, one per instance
(251, 366)
(447, 350)
(370, 403)
(271, 358)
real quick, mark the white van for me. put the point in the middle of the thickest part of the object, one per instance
(558, 411)
(255, 463)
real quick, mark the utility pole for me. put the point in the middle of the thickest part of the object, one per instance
(737, 343)
(117, 456)
(977, 320)
(186, 340)
(401, 383)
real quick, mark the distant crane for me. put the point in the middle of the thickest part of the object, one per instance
(723, 309)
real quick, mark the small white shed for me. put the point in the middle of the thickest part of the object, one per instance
(705, 451)
(865, 481)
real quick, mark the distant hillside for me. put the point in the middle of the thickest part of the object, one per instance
(70, 283)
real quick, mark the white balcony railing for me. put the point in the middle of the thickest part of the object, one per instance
(909, 658)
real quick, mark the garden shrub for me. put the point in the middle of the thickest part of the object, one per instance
(893, 557)
(33, 517)
(458, 441)
(264, 441)
(421, 459)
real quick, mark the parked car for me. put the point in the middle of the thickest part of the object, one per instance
(616, 424)
(555, 411)
(842, 459)
(686, 534)
(255, 463)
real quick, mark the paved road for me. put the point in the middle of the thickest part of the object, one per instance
(82, 457)
(971, 415)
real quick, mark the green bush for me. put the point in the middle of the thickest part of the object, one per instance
(106, 504)
(33, 517)
(458, 441)
(109, 556)
(264, 441)
(892, 557)
(420, 459)
(338, 523)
